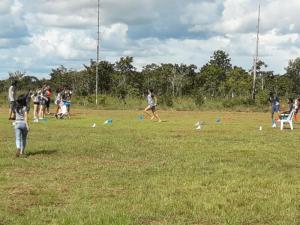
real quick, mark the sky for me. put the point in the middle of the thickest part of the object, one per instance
(39, 35)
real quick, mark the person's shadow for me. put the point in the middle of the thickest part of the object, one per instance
(42, 152)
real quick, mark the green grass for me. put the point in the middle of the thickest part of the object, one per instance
(145, 172)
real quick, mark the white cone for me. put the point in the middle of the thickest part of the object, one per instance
(94, 125)
(260, 127)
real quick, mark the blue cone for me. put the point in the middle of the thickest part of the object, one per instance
(141, 117)
(108, 121)
(45, 120)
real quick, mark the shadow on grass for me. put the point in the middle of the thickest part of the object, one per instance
(43, 152)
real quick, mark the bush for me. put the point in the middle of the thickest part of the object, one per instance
(102, 100)
(232, 102)
(262, 97)
(91, 99)
(168, 99)
(199, 98)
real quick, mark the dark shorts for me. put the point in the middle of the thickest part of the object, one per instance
(275, 108)
(12, 105)
(153, 108)
(48, 103)
(36, 103)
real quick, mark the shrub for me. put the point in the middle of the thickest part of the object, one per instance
(262, 97)
(199, 98)
(168, 99)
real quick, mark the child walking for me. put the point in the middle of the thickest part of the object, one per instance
(21, 125)
(151, 106)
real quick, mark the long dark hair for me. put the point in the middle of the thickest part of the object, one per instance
(21, 102)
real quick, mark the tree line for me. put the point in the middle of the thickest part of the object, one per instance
(218, 78)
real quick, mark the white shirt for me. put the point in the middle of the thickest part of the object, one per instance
(150, 100)
(12, 93)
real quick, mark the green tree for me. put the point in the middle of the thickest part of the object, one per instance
(212, 77)
(293, 73)
(238, 82)
(124, 70)
(221, 59)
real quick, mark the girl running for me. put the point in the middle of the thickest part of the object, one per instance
(151, 106)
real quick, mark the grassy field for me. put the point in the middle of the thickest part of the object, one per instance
(145, 172)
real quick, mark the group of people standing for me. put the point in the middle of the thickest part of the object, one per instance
(19, 108)
(41, 102)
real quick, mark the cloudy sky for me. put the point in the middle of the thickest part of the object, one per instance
(38, 35)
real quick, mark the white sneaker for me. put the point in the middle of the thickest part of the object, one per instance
(274, 125)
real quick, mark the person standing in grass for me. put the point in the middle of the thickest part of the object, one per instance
(12, 99)
(21, 124)
(275, 105)
(151, 106)
(296, 106)
(58, 100)
(36, 104)
(43, 101)
(48, 95)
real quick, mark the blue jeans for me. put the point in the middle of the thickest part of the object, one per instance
(21, 135)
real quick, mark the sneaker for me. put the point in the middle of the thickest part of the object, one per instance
(199, 127)
(274, 125)
(18, 153)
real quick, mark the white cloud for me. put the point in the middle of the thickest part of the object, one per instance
(63, 44)
(5, 6)
(200, 15)
(39, 35)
